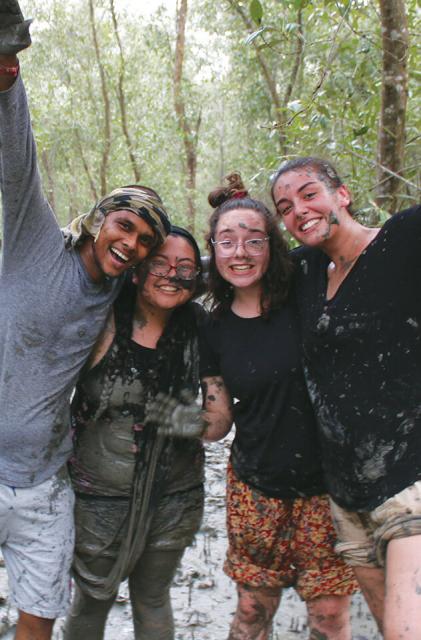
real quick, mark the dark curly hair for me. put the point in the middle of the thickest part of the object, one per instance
(324, 170)
(275, 282)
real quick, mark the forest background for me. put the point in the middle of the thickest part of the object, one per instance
(178, 94)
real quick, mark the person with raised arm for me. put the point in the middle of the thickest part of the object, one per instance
(55, 292)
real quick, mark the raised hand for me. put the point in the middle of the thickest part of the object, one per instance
(178, 417)
(14, 29)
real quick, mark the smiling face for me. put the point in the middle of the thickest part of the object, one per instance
(169, 292)
(124, 240)
(311, 209)
(242, 269)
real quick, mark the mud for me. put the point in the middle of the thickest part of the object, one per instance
(203, 597)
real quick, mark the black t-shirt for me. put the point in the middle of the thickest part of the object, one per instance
(362, 357)
(275, 448)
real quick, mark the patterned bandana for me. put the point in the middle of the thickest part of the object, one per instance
(142, 201)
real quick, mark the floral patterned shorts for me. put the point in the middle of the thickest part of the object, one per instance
(283, 543)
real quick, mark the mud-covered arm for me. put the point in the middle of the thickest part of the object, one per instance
(30, 230)
(217, 407)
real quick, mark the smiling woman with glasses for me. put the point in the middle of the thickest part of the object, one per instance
(139, 494)
(279, 528)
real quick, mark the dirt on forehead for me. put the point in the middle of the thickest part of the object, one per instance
(204, 599)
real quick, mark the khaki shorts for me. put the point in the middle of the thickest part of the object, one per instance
(283, 543)
(37, 539)
(363, 536)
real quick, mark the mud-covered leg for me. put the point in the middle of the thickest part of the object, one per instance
(329, 618)
(372, 583)
(150, 584)
(254, 615)
(402, 611)
(87, 617)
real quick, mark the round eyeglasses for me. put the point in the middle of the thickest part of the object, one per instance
(252, 246)
(161, 268)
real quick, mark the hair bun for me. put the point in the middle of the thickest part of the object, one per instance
(234, 189)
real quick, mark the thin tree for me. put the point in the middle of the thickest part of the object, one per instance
(122, 98)
(279, 102)
(106, 103)
(391, 141)
(189, 133)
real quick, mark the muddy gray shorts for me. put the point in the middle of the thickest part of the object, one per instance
(37, 538)
(363, 536)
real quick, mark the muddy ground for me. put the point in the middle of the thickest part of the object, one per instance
(203, 597)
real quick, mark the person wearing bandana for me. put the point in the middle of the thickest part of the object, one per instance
(55, 292)
(139, 493)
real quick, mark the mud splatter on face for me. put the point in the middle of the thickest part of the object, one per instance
(332, 219)
(328, 177)
(185, 284)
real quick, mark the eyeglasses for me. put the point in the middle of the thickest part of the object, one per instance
(161, 268)
(253, 246)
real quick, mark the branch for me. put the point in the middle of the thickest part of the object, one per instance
(122, 98)
(298, 58)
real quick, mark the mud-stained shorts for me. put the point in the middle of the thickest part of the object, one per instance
(101, 525)
(283, 543)
(363, 536)
(37, 539)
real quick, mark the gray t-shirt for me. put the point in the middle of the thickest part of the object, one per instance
(51, 312)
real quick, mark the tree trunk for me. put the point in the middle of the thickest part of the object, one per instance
(391, 143)
(279, 104)
(190, 136)
(122, 99)
(106, 102)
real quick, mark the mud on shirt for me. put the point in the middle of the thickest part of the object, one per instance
(362, 357)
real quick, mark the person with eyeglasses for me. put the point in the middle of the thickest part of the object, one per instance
(139, 492)
(280, 531)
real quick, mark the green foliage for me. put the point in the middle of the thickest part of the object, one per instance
(256, 11)
(332, 111)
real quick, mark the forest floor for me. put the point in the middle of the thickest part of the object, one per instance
(203, 597)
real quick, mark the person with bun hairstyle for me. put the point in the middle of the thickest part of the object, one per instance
(139, 493)
(280, 531)
(358, 294)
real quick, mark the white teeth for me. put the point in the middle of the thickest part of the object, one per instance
(119, 254)
(241, 267)
(169, 289)
(309, 224)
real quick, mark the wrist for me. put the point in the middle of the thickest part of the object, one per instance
(9, 68)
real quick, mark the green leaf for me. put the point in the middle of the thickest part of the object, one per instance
(256, 11)
(295, 106)
(361, 131)
(254, 35)
(323, 110)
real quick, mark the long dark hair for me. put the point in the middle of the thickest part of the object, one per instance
(324, 170)
(275, 282)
